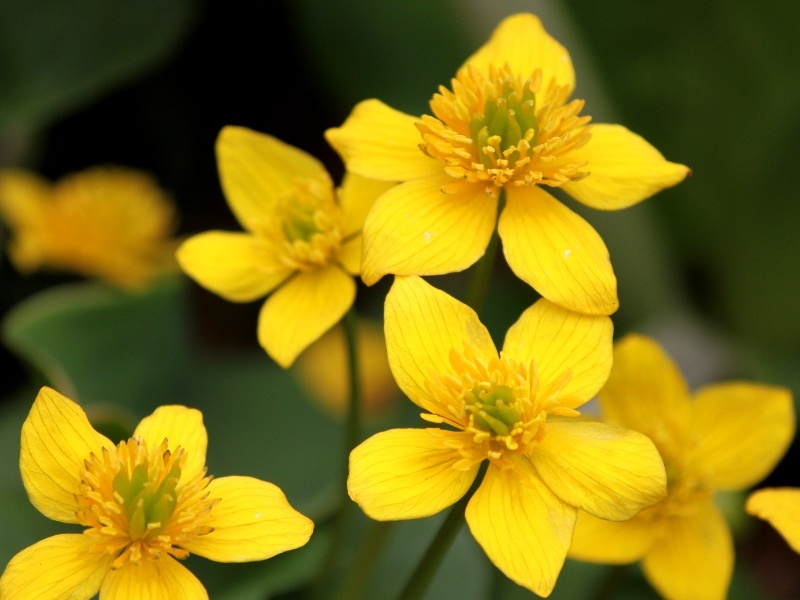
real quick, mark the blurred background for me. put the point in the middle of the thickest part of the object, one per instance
(711, 268)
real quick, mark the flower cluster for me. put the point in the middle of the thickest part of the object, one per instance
(505, 443)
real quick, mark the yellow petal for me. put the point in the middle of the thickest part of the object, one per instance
(560, 340)
(624, 169)
(611, 542)
(380, 142)
(323, 370)
(302, 310)
(521, 41)
(349, 256)
(21, 197)
(422, 326)
(646, 391)
(406, 474)
(609, 472)
(694, 559)
(255, 169)
(163, 579)
(238, 266)
(356, 196)
(56, 439)
(557, 252)
(416, 229)
(252, 521)
(781, 507)
(61, 567)
(522, 526)
(182, 427)
(743, 429)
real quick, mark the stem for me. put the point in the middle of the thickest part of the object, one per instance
(352, 437)
(364, 562)
(479, 284)
(429, 564)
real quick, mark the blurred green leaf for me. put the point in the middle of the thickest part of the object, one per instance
(56, 56)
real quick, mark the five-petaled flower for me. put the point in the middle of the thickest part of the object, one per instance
(727, 437)
(143, 502)
(301, 235)
(508, 125)
(111, 223)
(781, 508)
(517, 410)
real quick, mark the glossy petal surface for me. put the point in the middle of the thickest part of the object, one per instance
(252, 521)
(238, 266)
(521, 41)
(560, 340)
(422, 326)
(416, 229)
(302, 310)
(182, 427)
(255, 169)
(379, 142)
(694, 557)
(781, 507)
(56, 439)
(743, 430)
(523, 527)
(406, 474)
(624, 169)
(556, 252)
(164, 579)
(356, 196)
(57, 568)
(611, 542)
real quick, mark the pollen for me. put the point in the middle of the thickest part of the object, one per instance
(137, 502)
(501, 406)
(503, 128)
(305, 225)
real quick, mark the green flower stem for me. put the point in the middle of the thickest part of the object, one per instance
(482, 273)
(429, 564)
(368, 553)
(352, 438)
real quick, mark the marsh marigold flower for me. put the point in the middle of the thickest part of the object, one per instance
(506, 124)
(781, 508)
(727, 436)
(302, 238)
(111, 223)
(517, 410)
(144, 502)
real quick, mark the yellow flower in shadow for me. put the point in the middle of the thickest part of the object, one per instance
(110, 223)
(144, 502)
(726, 436)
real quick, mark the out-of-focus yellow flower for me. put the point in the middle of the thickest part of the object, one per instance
(506, 124)
(322, 369)
(727, 437)
(781, 508)
(301, 237)
(515, 410)
(144, 502)
(111, 223)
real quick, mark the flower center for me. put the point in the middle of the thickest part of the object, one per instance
(503, 128)
(306, 226)
(500, 406)
(136, 504)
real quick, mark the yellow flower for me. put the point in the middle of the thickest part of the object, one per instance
(727, 437)
(144, 502)
(515, 410)
(323, 370)
(111, 223)
(506, 124)
(301, 236)
(781, 507)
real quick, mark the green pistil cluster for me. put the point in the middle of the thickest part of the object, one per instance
(147, 504)
(506, 120)
(493, 408)
(299, 222)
